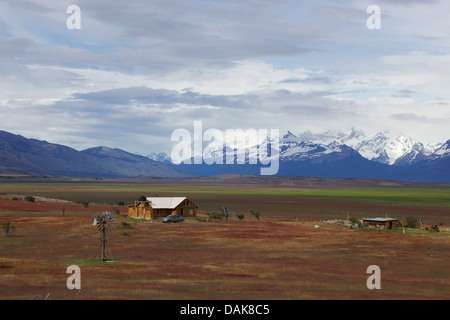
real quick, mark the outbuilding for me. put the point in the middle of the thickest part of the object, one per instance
(382, 223)
(158, 207)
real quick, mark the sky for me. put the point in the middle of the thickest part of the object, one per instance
(137, 70)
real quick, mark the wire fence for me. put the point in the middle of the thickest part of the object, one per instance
(249, 216)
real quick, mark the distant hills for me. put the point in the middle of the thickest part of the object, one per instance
(19, 155)
(333, 155)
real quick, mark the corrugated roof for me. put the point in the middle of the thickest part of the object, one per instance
(165, 202)
(381, 219)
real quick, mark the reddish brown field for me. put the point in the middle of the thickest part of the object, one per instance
(224, 259)
(216, 260)
(320, 208)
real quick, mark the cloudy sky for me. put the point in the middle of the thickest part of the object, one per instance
(139, 69)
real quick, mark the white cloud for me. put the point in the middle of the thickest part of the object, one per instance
(273, 64)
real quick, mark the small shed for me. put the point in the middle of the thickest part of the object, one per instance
(382, 223)
(158, 207)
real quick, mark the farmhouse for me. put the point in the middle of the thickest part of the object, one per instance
(382, 223)
(158, 207)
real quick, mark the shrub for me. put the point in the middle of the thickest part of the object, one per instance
(216, 215)
(84, 203)
(125, 225)
(412, 222)
(120, 203)
(240, 217)
(8, 228)
(30, 199)
(256, 214)
(355, 221)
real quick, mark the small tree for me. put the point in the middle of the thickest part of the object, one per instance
(125, 225)
(8, 228)
(30, 199)
(256, 214)
(412, 222)
(240, 217)
(355, 221)
(222, 213)
(216, 215)
(84, 203)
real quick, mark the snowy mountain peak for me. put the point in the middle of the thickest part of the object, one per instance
(442, 151)
(289, 135)
(378, 147)
(160, 157)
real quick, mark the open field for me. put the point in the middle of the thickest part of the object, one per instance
(227, 259)
(320, 199)
(220, 260)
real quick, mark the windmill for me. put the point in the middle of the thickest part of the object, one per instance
(105, 223)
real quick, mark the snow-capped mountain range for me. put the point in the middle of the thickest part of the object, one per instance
(379, 147)
(160, 157)
(335, 154)
(352, 155)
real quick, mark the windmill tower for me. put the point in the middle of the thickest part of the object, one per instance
(105, 223)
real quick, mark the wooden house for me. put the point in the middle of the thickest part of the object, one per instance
(159, 207)
(382, 223)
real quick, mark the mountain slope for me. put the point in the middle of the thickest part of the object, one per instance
(33, 157)
(299, 157)
(19, 155)
(435, 168)
(379, 147)
(124, 164)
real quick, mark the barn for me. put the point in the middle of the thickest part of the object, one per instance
(158, 207)
(382, 223)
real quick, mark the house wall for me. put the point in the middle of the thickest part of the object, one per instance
(140, 210)
(143, 210)
(186, 209)
(382, 225)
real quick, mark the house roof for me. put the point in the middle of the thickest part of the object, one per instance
(165, 202)
(380, 219)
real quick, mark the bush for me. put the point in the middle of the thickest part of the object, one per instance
(125, 225)
(355, 221)
(84, 203)
(240, 217)
(30, 199)
(412, 222)
(216, 215)
(256, 214)
(120, 203)
(8, 228)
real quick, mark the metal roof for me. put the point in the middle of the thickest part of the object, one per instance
(381, 219)
(165, 202)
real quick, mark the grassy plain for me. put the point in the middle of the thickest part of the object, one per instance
(301, 198)
(228, 259)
